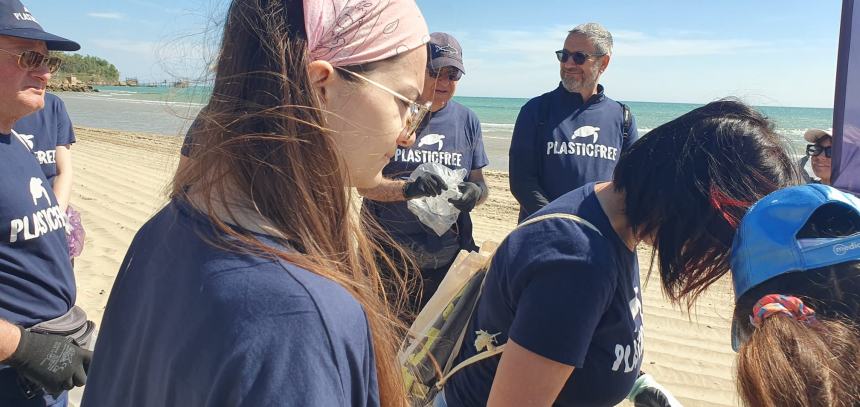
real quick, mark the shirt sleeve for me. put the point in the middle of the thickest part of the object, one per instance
(523, 162)
(65, 130)
(188, 142)
(479, 155)
(563, 300)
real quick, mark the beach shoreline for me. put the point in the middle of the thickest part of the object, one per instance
(122, 179)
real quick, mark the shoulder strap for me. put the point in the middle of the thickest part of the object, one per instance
(499, 349)
(628, 121)
(21, 139)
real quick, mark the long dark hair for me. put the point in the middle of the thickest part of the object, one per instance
(688, 183)
(262, 139)
(788, 363)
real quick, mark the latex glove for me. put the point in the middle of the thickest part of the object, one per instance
(426, 184)
(648, 393)
(51, 361)
(471, 194)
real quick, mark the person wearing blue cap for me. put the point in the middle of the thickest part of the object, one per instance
(451, 136)
(796, 271)
(36, 281)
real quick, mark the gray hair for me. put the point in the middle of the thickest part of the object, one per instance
(596, 34)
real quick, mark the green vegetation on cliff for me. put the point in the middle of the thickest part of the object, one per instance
(86, 68)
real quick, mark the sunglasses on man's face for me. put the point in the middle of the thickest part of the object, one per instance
(454, 74)
(33, 60)
(814, 150)
(579, 57)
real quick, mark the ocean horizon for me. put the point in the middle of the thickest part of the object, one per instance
(169, 112)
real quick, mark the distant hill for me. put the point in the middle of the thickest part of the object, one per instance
(86, 68)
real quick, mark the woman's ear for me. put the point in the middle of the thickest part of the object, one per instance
(322, 76)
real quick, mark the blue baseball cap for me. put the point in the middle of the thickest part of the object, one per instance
(17, 21)
(766, 244)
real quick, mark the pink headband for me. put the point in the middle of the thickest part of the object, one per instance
(352, 32)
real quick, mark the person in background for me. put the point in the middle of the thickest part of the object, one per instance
(451, 137)
(820, 153)
(796, 274)
(565, 298)
(573, 135)
(50, 134)
(36, 280)
(256, 285)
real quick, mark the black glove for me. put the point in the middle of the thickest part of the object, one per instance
(51, 361)
(426, 184)
(471, 194)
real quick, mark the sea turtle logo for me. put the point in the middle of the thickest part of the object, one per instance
(446, 49)
(37, 190)
(28, 139)
(431, 139)
(585, 132)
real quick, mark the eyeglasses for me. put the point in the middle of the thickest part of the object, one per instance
(416, 111)
(579, 57)
(454, 74)
(814, 150)
(32, 60)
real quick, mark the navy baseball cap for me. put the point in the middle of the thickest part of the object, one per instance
(766, 244)
(16, 21)
(445, 51)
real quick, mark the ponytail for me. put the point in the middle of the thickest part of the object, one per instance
(794, 359)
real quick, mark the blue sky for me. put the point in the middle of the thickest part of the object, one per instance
(767, 52)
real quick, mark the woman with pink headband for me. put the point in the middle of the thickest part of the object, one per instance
(255, 285)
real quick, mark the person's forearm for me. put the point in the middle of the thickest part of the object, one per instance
(63, 189)
(485, 192)
(10, 335)
(527, 191)
(388, 190)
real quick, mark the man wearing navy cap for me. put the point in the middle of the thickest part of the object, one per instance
(451, 137)
(36, 280)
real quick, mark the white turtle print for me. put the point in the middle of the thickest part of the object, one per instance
(28, 139)
(586, 131)
(38, 191)
(431, 139)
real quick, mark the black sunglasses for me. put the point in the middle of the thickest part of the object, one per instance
(579, 57)
(454, 74)
(814, 150)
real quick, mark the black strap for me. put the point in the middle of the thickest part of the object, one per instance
(628, 122)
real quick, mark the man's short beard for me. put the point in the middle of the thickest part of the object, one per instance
(585, 85)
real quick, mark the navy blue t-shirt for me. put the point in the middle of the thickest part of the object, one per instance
(36, 279)
(46, 129)
(560, 290)
(451, 137)
(579, 142)
(189, 324)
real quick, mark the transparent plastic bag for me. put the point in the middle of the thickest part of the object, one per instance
(436, 212)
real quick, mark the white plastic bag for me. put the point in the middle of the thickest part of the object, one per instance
(436, 212)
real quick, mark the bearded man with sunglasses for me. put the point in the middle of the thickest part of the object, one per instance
(573, 135)
(820, 153)
(450, 136)
(36, 280)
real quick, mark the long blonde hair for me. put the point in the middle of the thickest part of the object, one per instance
(262, 138)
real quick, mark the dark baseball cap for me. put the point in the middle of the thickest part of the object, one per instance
(445, 51)
(16, 21)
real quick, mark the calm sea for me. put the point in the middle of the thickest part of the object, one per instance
(169, 111)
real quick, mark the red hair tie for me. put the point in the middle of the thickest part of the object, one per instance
(784, 305)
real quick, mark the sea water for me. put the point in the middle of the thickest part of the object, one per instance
(169, 111)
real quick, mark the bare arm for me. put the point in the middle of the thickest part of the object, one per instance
(526, 379)
(477, 177)
(63, 180)
(9, 337)
(389, 190)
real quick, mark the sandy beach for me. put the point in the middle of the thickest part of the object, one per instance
(121, 179)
